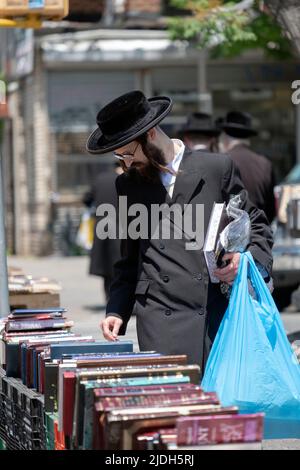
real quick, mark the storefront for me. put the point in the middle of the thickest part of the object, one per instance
(75, 74)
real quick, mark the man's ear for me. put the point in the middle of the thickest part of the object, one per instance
(152, 133)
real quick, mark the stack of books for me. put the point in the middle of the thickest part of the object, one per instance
(65, 391)
(215, 432)
(27, 291)
(24, 284)
(22, 415)
(29, 324)
(145, 401)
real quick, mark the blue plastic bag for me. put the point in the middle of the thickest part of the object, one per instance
(251, 364)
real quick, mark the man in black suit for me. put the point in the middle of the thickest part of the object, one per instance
(200, 132)
(256, 170)
(105, 252)
(164, 280)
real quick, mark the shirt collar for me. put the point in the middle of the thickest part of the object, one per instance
(175, 163)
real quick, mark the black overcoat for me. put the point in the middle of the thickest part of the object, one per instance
(257, 176)
(178, 310)
(104, 253)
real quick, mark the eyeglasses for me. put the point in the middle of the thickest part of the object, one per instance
(126, 155)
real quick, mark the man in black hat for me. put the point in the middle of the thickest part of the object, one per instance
(164, 280)
(200, 132)
(256, 170)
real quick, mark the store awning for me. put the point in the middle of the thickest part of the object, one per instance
(115, 46)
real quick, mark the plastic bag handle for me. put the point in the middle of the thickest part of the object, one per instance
(247, 267)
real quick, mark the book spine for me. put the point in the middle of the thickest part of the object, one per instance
(37, 325)
(69, 382)
(149, 400)
(219, 429)
(146, 389)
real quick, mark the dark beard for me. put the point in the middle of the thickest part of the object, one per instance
(152, 168)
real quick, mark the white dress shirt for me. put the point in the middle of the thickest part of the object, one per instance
(167, 179)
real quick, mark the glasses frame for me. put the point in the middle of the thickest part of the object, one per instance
(124, 156)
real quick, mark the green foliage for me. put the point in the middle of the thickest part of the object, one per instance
(209, 24)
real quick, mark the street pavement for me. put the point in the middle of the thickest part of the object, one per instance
(83, 296)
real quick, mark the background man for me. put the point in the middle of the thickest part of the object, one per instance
(256, 170)
(200, 132)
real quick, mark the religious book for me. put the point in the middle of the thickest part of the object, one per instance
(148, 399)
(227, 446)
(33, 324)
(69, 379)
(120, 391)
(56, 351)
(132, 382)
(37, 313)
(122, 426)
(26, 349)
(15, 340)
(212, 248)
(200, 430)
(192, 371)
(137, 359)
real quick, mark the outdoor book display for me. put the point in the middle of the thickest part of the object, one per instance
(59, 390)
(26, 291)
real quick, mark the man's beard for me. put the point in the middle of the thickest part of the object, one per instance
(151, 169)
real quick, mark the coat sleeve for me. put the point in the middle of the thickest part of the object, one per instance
(122, 290)
(261, 238)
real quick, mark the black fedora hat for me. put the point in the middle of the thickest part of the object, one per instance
(238, 124)
(125, 118)
(201, 123)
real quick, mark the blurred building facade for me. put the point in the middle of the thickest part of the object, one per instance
(64, 75)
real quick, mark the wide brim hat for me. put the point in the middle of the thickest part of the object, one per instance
(238, 124)
(126, 118)
(200, 123)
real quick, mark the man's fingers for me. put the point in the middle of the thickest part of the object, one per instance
(224, 271)
(107, 330)
(228, 256)
(116, 328)
(110, 328)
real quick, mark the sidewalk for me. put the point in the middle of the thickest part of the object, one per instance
(83, 295)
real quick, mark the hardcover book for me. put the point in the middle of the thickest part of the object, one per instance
(212, 249)
(121, 426)
(192, 371)
(148, 397)
(220, 429)
(32, 324)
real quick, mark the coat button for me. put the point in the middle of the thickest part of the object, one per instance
(168, 312)
(202, 311)
(166, 278)
(161, 246)
(199, 277)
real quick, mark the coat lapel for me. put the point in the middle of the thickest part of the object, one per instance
(189, 179)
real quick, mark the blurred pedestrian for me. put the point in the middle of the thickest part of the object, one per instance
(200, 133)
(104, 253)
(256, 170)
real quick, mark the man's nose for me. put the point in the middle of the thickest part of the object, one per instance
(128, 162)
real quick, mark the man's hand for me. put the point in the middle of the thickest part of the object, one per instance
(110, 327)
(228, 273)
